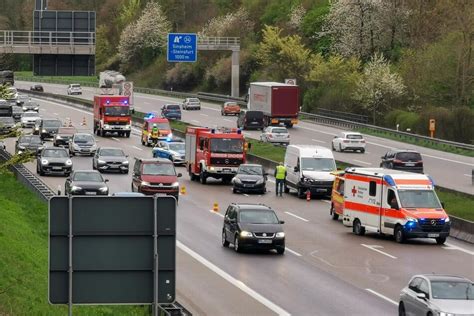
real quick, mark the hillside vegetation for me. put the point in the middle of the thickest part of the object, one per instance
(396, 61)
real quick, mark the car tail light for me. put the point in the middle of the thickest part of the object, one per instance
(345, 141)
(397, 161)
(270, 135)
(362, 141)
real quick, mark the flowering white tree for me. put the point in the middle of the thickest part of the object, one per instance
(378, 86)
(236, 23)
(148, 32)
(296, 16)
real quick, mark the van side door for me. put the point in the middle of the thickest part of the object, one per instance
(390, 210)
(292, 162)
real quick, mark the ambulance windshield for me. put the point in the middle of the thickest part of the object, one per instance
(418, 199)
(317, 164)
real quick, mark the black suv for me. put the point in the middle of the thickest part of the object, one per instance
(49, 127)
(250, 120)
(405, 160)
(54, 160)
(250, 178)
(253, 226)
(31, 143)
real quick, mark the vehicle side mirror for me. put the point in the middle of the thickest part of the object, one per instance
(249, 146)
(282, 222)
(70, 155)
(442, 205)
(106, 180)
(126, 156)
(180, 175)
(296, 169)
(421, 296)
(335, 136)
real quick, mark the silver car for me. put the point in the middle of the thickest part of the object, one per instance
(74, 88)
(437, 295)
(82, 143)
(275, 135)
(191, 103)
(29, 118)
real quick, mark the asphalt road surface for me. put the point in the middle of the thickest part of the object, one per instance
(326, 270)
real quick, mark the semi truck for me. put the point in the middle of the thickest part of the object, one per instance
(112, 115)
(279, 102)
(214, 153)
(109, 78)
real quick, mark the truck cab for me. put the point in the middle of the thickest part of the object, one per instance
(112, 115)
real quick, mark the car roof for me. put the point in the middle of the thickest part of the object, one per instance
(153, 160)
(54, 147)
(82, 133)
(128, 194)
(86, 170)
(404, 150)
(251, 165)
(105, 147)
(445, 277)
(252, 206)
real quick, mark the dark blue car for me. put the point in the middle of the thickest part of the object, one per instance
(171, 111)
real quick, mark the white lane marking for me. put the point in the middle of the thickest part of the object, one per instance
(382, 296)
(380, 145)
(374, 248)
(246, 194)
(217, 213)
(116, 139)
(293, 252)
(450, 160)
(239, 284)
(147, 103)
(138, 148)
(55, 113)
(64, 106)
(203, 114)
(454, 247)
(229, 120)
(326, 201)
(298, 217)
(318, 141)
(196, 121)
(362, 162)
(270, 180)
(468, 175)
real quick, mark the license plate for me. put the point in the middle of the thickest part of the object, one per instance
(409, 164)
(84, 150)
(91, 193)
(248, 185)
(264, 241)
(114, 167)
(226, 169)
(433, 235)
(354, 141)
(57, 168)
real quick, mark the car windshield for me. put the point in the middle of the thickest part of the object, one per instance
(418, 199)
(84, 138)
(52, 123)
(318, 164)
(227, 145)
(176, 146)
(280, 130)
(30, 139)
(88, 176)
(445, 290)
(30, 114)
(258, 217)
(173, 107)
(113, 152)
(409, 156)
(243, 169)
(117, 110)
(75, 86)
(231, 104)
(162, 126)
(158, 169)
(7, 120)
(193, 100)
(354, 136)
(55, 153)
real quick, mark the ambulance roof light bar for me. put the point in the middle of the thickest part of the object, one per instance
(389, 180)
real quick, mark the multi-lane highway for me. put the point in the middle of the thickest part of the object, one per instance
(326, 270)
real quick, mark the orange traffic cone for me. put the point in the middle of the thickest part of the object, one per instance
(308, 195)
(183, 190)
(215, 207)
(84, 121)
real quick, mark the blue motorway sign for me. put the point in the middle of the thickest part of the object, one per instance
(182, 47)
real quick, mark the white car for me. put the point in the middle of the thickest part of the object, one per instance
(74, 88)
(29, 118)
(275, 135)
(82, 143)
(191, 103)
(349, 141)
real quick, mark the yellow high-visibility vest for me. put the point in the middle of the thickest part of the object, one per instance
(280, 174)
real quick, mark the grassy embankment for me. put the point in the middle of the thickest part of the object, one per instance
(24, 258)
(28, 75)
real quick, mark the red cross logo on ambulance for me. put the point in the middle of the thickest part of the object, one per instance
(354, 191)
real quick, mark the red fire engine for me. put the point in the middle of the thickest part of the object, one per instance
(112, 114)
(214, 153)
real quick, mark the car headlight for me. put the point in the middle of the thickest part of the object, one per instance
(304, 179)
(76, 146)
(36, 108)
(44, 161)
(170, 135)
(103, 189)
(412, 219)
(21, 147)
(245, 234)
(445, 314)
(259, 181)
(125, 162)
(69, 162)
(446, 219)
(236, 180)
(24, 108)
(100, 161)
(58, 137)
(127, 126)
(280, 235)
(94, 147)
(43, 131)
(75, 188)
(211, 168)
(175, 184)
(144, 183)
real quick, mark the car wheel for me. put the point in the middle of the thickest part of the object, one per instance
(202, 177)
(399, 235)
(357, 228)
(440, 240)
(286, 188)
(41, 172)
(362, 151)
(390, 165)
(131, 189)
(332, 147)
(93, 166)
(234, 190)
(401, 309)
(301, 193)
(236, 244)
(333, 213)
(225, 243)
(280, 250)
(340, 148)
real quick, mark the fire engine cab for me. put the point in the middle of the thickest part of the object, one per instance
(393, 202)
(112, 115)
(215, 153)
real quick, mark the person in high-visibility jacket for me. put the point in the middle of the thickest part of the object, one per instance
(280, 176)
(155, 133)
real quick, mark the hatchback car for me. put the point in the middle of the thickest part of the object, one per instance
(30, 106)
(86, 182)
(275, 135)
(251, 120)
(348, 141)
(82, 143)
(22, 98)
(230, 108)
(172, 150)
(53, 160)
(74, 88)
(37, 87)
(432, 294)
(64, 135)
(7, 125)
(17, 113)
(49, 127)
(171, 111)
(253, 226)
(406, 160)
(29, 118)
(151, 176)
(110, 159)
(250, 178)
(191, 104)
(31, 143)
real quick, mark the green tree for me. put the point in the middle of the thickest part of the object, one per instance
(312, 27)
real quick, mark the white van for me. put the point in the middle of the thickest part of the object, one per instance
(309, 167)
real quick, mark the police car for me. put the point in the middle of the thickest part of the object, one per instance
(173, 150)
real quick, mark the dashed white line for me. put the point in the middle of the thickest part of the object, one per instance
(382, 296)
(217, 213)
(318, 141)
(293, 252)
(116, 139)
(203, 114)
(138, 148)
(468, 175)
(454, 247)
(195, 121)
(298, 217)
(239, 284)
(229, 120)
(362, 162)
(246, 194)
(374, 248)
(55, 113)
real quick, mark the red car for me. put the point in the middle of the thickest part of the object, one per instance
(151, 176)
(230, 108)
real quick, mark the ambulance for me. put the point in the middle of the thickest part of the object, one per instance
(393, 202)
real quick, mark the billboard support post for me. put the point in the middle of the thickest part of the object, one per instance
(70, 259)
